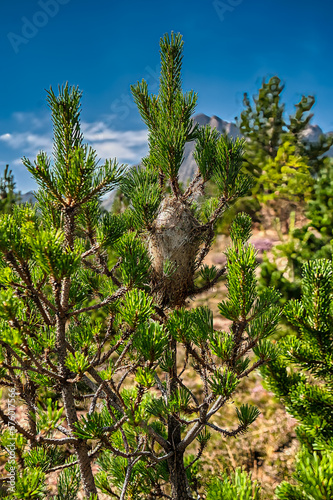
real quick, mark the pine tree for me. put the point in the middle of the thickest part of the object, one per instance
(265, 128)
(96, 338)
(47, 340)
(7, 195)
(306, 391)
(262, 124)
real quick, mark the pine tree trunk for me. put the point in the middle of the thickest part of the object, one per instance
(81, 448)
(178, 479)
(177, 473)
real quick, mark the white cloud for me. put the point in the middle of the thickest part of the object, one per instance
(27, 142)
(32, 120)
(126, 146)
(17, 162)
(99, 131)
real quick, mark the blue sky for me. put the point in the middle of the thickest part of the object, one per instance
(105, 46)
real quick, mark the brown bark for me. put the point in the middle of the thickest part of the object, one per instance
(80, 445)
(177, 473)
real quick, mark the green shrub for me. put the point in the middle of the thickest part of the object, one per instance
(237, 485)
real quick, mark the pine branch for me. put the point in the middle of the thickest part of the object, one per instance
(96, 396)
(194, 186)
(25, 364)
(209, 284)
(127, 477)
(117, 295)
(9, 422)
(240, 430)
(252, 368)
(35, 294)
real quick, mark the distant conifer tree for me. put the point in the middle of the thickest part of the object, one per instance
(7, 195)
(265, 128)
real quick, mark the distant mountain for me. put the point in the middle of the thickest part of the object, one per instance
(216, 122)
(28, 197)
(189, 167)
(312, 133)
(108, 201)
